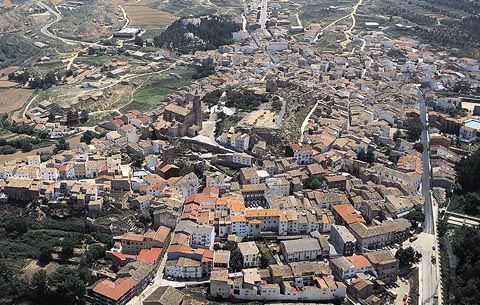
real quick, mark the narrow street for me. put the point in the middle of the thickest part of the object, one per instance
(429, 271)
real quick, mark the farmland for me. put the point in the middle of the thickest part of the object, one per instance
(142, 15)
(12, 99)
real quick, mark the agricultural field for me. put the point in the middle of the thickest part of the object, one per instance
(12, 99)
(324, 11)
(443, 24)
(185, 8)
(142, 15)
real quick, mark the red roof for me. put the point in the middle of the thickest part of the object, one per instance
(301, 147)
(114, 290)
(150, 256)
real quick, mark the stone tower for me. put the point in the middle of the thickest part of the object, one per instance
(197, 109)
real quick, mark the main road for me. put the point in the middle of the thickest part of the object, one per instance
(429, 271)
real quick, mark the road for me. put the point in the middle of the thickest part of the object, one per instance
(429, 272)
(305, 122)
(28, 106)
(263, 15)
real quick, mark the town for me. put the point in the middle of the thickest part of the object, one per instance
(269, 170)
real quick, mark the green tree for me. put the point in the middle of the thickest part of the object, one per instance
(145, 218)
(137, 159)
(39, 286)
(88, 136)
(67, 286)
(236, 260)
(19, 225)
(61, 145)
(68, 245)
(27, 146)
(397, 135)
(415, 217)
(72, 117)
(468, 171)
(405, 256)
(45, 253)
(418, 147)
(138, 41)
(414, 129)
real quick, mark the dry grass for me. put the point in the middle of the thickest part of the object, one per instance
(7, 70)
(5, 83)
(143, 15)
(261, 118)
(12, 99)
(8, 3)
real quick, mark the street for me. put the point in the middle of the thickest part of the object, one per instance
(429, 275)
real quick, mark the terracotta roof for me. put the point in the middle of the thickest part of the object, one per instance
(149, 255)
(359, 261)
(113, 290)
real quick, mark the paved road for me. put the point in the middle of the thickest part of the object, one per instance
(305, 122)
(429, 276)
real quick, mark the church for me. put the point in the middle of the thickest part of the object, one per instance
(178, 121)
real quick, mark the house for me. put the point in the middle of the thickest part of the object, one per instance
(348, 266)
(303, 153)
(133, 243)
(336, 182)
(301, 249)
(248, 175)
(385, 265)
(343, 241)
(164, 296)
(250, 254)
(119, 292)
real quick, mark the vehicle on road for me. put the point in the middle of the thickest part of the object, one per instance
(413, 238)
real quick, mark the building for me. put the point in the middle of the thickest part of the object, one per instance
(118, 292)
(178, 121)
(250, 254)
(345, 214)
(303, 153)
(133, 243)
(336, 182)
(164, 296)
(301, 249)
(343, 241)
(385, 265)
(348, 266)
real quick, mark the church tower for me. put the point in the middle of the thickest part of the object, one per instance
(197, 109)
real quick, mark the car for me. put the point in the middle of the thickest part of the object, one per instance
(387, 286)
(169, 278)
(405, 298)
(433, 248)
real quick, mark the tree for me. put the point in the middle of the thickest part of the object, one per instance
(370, 156)
(68, 245)
(137, 159)
(471, 203)
(469, 173)
(51, 117)
(405, 256)
(145, 218)
(236, 260)
(27, 146)
(39, 285)
(84, 116)
(418, 147)
(415, 217)
(67, 286)
(45, 155)
(94, 253)
(61, 145)
(138, 41)
(19, 225)
(263, 261)
(88, 136)
(45, 253)
(72, 117)
(414, 129)
(397, 135)
(362, 155)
